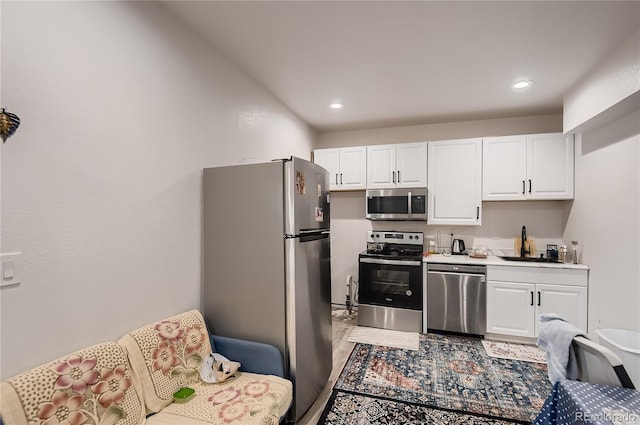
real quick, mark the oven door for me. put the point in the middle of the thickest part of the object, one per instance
(390, 283)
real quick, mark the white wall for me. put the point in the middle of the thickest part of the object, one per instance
(545, 220)
(604, 109)
(605, 219)
(610, 89)
(121, 108)
(441, 131)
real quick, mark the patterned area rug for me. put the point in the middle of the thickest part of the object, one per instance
(345, 408)
(448, 372)
(506, 350)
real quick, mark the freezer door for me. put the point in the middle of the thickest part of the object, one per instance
(306, 196)
(309, 336)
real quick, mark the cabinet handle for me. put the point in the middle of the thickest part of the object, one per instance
(398, 176)
(523, 187)
(340, 178)
(529, 185)
(336, 179)
(538, 297)
(531, 297)
(394, 176)
(477, 213)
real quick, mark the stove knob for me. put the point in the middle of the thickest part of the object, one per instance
(410, 237)
(409, 292)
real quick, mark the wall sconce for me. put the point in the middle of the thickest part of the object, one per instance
(8, 124)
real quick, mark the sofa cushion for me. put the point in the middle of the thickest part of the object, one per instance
(245, 399)
(90, 386)
(166, 356)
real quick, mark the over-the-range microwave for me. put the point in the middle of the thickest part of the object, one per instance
(397, 204)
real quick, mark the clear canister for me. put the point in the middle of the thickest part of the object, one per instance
(562, 254)
(432, 245)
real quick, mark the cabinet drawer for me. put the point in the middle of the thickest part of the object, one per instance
(549, 275)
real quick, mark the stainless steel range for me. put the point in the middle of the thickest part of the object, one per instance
(390, 290)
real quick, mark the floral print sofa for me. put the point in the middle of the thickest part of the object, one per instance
(132, 381)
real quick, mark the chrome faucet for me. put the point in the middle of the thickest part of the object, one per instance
(523, 238)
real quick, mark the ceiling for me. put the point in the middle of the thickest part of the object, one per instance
(417, 62)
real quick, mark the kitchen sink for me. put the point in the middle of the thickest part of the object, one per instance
(532, 259)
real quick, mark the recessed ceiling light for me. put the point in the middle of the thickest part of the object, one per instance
(336, 105)
(522, 84)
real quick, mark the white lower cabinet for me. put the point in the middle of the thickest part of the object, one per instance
(509, 310)
(516, 296)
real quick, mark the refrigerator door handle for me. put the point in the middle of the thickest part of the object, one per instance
(312, 231)
(306, 234)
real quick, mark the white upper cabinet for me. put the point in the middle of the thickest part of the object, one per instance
(411, 160)
(504, 161)
(536, 166)
(550, 162)
(381, 166)
(347, 166)
(455, 182)
(397, 165)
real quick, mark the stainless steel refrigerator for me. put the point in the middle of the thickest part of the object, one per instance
(267, 274)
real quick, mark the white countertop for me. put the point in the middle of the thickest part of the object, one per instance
(492, 260)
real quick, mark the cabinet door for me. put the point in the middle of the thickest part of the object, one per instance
(455, 182)
(330, 160)
(411, 161)
(353, 168)
(510, 308)
(570, 302)
(381, 166)
(504, 165)
(550, 166)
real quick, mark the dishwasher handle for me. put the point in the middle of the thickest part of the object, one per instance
(456, 274)
(457, 268)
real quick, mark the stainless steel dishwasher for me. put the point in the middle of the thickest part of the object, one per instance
(457, 298)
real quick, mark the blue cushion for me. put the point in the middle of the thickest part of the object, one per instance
(255, 357)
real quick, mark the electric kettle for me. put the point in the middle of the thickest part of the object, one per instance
(457, 247)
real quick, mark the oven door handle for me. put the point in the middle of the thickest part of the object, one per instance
(391, 262)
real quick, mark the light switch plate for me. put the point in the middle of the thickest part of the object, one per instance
(9, 272)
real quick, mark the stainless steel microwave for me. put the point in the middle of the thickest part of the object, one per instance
(397, 204)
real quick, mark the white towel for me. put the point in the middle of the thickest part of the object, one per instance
(556, 336)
